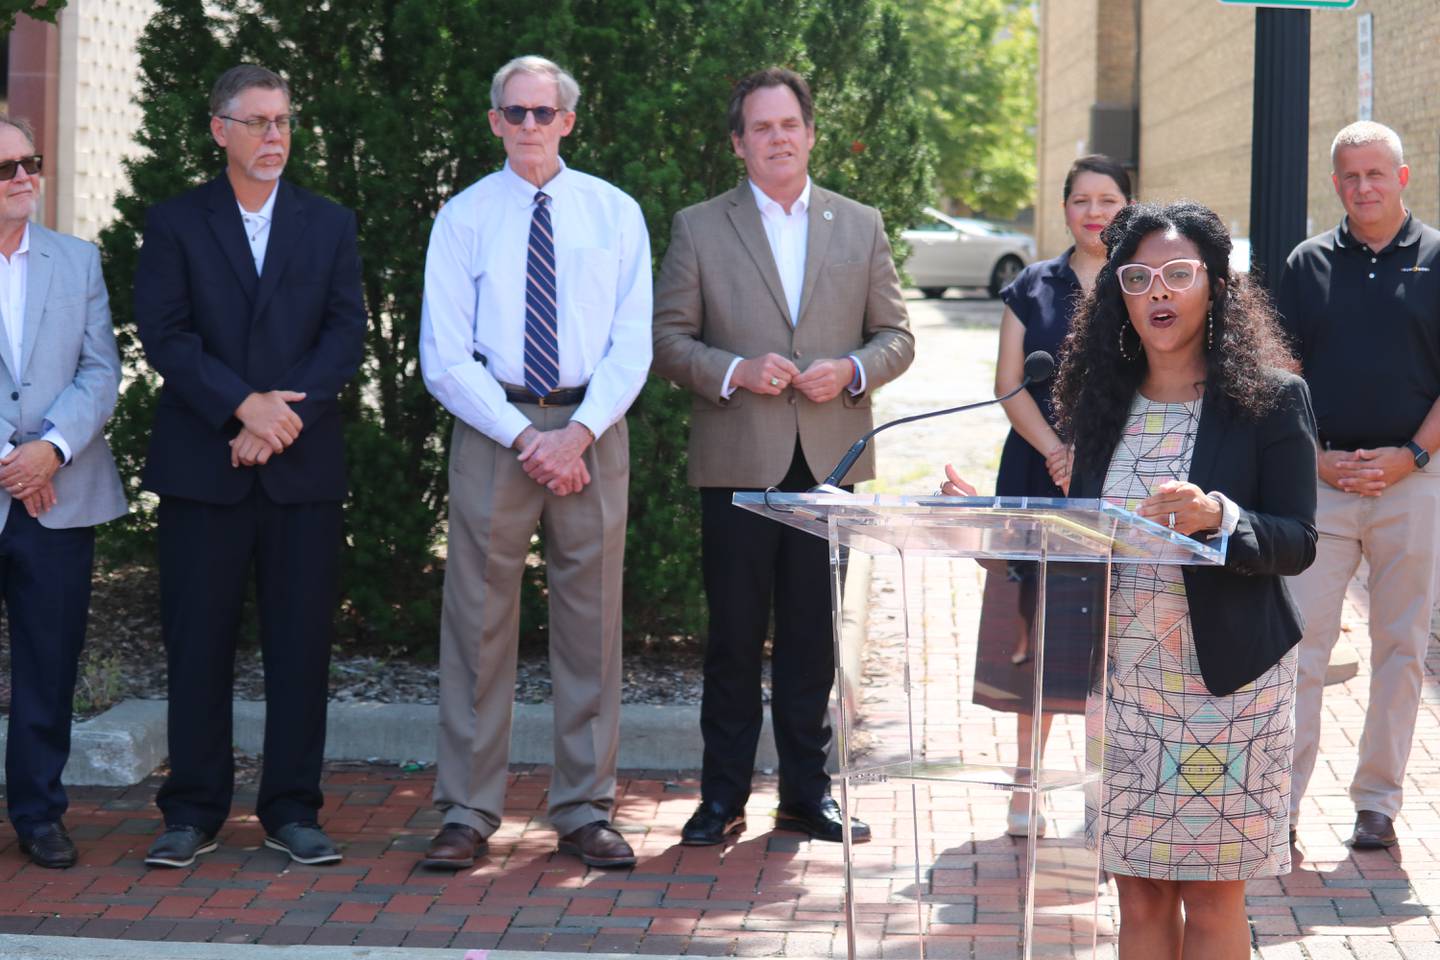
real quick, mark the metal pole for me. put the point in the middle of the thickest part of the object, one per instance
(1279, 166)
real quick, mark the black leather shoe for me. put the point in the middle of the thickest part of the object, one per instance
(821, 819)
(50, 846)
(178, 846)
(711, 823)
(1373, 831)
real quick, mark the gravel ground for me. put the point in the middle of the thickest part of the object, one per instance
(124, 658)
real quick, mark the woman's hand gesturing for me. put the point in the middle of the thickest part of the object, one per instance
(1183, 507)
(954, 485)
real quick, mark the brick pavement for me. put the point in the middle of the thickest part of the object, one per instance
(770, 893)
(522, 896)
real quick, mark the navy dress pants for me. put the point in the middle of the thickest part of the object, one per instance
(45, 582)
(207, 555)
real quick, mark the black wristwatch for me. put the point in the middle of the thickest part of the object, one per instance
(1422, 456)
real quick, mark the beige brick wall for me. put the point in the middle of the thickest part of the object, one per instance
(99, 79)
(1407, 96)
(1195, 100)
(1115, 46)
(1196, 75)
(1068, 88)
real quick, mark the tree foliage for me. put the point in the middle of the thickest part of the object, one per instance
(392, 97)
(977, 62)
(46, 10)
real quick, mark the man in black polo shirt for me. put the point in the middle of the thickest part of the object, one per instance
(1362, 302)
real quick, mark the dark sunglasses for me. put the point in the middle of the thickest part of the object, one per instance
(515, 116)
(8, 167)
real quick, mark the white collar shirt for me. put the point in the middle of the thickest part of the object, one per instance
(14, 274)
(472, 321)
(788, 234)
(257, 227)
(14, 298)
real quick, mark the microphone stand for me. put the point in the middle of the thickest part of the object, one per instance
(831, 483)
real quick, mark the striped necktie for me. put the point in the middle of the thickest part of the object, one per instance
(542, 350)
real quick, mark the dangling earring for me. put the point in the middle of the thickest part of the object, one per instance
(1210, 328)
(1124, 354)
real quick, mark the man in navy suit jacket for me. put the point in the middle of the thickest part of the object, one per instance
(249, 305)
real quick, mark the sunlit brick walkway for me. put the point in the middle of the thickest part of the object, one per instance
(769, 894)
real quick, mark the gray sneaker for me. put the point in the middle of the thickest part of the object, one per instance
(305, 842)
(178, 846)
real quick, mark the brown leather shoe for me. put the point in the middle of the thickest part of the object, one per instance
(598, 845)
(455, 847)
(1373, 831)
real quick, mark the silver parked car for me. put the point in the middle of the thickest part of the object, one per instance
(948, 251)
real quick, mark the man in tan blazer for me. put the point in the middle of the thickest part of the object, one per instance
(779, 307)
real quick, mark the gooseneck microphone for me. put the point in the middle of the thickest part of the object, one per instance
(1038, 368)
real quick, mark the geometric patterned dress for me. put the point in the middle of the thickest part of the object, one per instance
(1196, 787)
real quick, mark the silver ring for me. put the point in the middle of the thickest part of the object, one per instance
(774, 381)
(1171, 524)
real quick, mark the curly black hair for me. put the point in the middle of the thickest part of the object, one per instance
(1097, 383)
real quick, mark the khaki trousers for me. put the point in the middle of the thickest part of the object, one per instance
(1397, 533)
(494, 509)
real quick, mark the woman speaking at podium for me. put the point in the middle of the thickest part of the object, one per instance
(1176, 393)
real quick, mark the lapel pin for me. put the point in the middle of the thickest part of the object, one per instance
(829, 215)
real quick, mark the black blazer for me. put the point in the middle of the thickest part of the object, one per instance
(216, 332)
(1241, 614)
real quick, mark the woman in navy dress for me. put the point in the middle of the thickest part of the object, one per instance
(1039, 305)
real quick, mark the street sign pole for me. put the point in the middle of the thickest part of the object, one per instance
(1279, 165)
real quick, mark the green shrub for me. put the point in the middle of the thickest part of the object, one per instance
(392, 96)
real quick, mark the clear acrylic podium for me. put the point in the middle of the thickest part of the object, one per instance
(926, 753)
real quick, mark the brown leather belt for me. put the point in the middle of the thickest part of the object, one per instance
(568, 397)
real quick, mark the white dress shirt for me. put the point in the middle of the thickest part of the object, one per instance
(257, 228)
(14, 288)
(474, 300)
(789, 236)
(14, 276)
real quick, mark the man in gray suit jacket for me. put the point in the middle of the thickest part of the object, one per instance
(59, 375)
(778, 306)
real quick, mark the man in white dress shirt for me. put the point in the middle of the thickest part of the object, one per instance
(779, 308)
(535, 334)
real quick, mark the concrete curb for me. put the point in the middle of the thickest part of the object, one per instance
(122, 746)
(19, 947)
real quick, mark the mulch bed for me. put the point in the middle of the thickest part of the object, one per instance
(125, 659)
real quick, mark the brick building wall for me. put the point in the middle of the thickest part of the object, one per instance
(1091, 45)
(1196, 74)
(1195, 83)
(1069, 47)
(98, 118)
(1407, 96)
